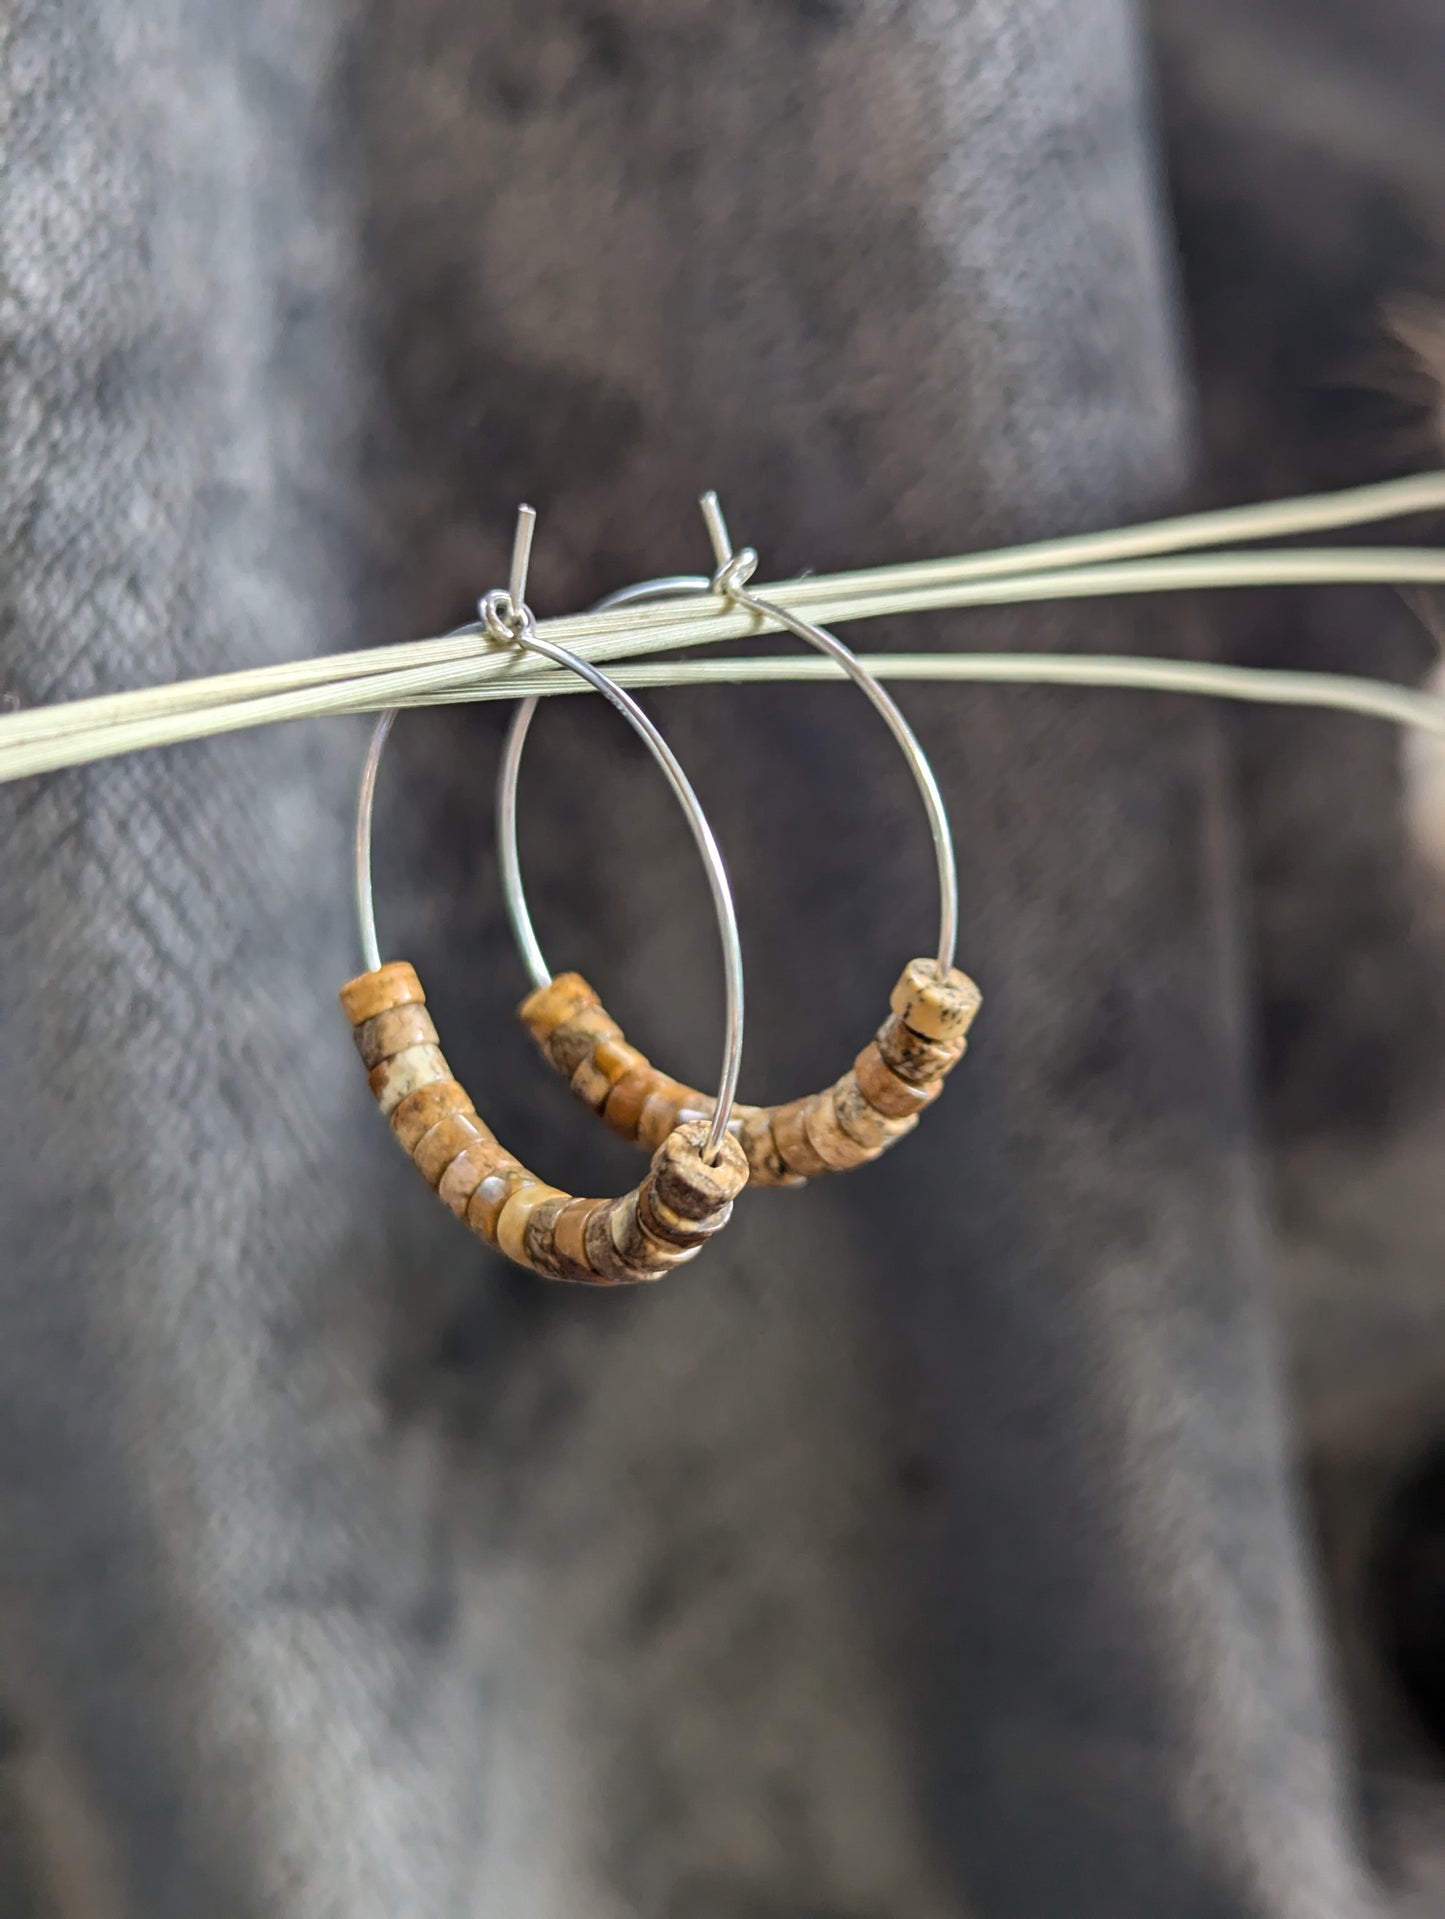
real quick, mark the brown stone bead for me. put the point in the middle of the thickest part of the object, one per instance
(515, 1213)
(663, 1223)
(569, 1234)
(492, 1193)
(644, 1256)
(795, 1149)
(912, 1058)
(539, 1239)
(543, 1011)
(384, 1034)
(862, 1121)
(755, 1135)
(838, 1152)
(603, 1258)
(933, 1007)
(609, 1061)
(885, 1092)
(623, 1109)
(467, 1171)
(436, 1149)
(420, 1111)
(394, 984)
(407, 1072)
(569, 1044)
(661, 1111)
(686, 1183)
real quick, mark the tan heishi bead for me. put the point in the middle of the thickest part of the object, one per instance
(492, 1193)
(684, 1180)
(862, 1121)
(663, 1223)
(934, 1007)
(795, 1149)
(838, 1152)
(661, 1111)
(756, 1138)
(911, 1057)
(467, 1171)
(392, 1032)
(539, 1239)
(543, 1011)
(420, 1111)
(567, 1045)
(603, 1258)
(405, 1073)
(438, 1147)
(568, 1235)
(394, 984)
(516, 1210)
(638, 1250)
(625, 1102)
(885, 1092)
(609, 1061)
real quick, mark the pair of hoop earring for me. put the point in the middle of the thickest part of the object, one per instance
(705, 1149)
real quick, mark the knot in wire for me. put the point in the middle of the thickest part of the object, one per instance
(506, 619)
(734, 573)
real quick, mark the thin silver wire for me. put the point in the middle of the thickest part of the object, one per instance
(734, 570)
(506, 615)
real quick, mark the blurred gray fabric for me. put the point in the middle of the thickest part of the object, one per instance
(937, 1546)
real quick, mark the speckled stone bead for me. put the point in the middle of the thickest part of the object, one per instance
(916, 1061)
(875, 1132)
(414, 1118)
(545, 1010)
(661, 1224)
(466, 1173)
(444, 1142)
(899, 1073)
(407, 1072)
(610, 1061)
(690, 1185)
(392, 1032)
(577, 1038)
(372, 993)
(933, 1005)
(885, 1092)
(795, 1149)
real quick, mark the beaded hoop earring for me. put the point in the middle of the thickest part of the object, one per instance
(698, 1167)
(901, 1070)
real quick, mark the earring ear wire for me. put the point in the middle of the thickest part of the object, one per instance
(933, 1005)
(698, 1168)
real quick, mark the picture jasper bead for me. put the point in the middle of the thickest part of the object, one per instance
(885, 1092)
(592, 1241)
(933, 1005)
(545, 1010)
(420, 1111)
(392, 1032)
(915, 1060)
(367, 995)
(895, 1077)
(690, 1185)
(407, 1072)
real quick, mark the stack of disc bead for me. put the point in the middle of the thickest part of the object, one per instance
(662, 1223)
(876, 1102)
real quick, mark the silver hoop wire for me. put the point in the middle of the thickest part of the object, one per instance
(516, 621)
(730, 580)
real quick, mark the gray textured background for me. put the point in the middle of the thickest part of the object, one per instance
(936, 1548)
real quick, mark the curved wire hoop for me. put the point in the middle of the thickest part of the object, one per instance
(516, 621)
(730, 580)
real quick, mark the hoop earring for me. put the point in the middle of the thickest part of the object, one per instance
(899, 1073)
(698, 1167)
